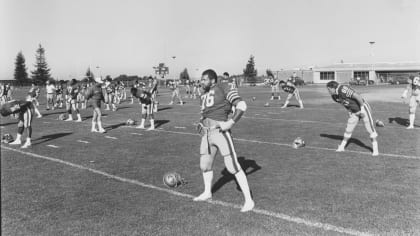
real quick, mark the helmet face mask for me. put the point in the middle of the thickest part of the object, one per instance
(7, 138)
(298, 143)
(173, 179)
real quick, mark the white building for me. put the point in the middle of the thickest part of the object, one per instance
(377, 72)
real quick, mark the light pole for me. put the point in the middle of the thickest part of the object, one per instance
(99, 71)
(371, 55)
(174, 57)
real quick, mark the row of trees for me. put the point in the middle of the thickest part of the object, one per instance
(41, 73)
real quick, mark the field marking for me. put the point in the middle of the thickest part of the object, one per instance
(179, 127)
(46, 122)
(82, 141)
(136, 134)
(53, 146)
(110, 137)
(310, 147)
(314, 224)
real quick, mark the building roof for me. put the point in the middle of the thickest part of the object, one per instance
(381, 66)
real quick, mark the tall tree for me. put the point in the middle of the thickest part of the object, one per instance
(41, 73)
(250, 72)
(269, 73)
(89, 75)
(21, 74)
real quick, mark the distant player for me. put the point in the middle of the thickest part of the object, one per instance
(146, 107)
(216, 136)
(197, 89)
(33, 95)
(293, 79)
(152, 88)
(25, 111)
(110, 90)
(59, 96)
(187, 88)
(291, 89)
(414, 88)
(358, 109)
(174, 86)
(95, 94)
(71, 99)
(50, 89)
(274, 84)
(81, 100)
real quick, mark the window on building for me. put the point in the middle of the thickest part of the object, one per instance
(363, 75)
(327, 75)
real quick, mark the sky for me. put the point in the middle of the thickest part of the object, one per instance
(132, 36)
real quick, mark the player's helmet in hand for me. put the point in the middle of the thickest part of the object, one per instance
(298, 142)
(173, 179)
(130, 122)
(7, 138)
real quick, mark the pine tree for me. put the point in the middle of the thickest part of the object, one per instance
(250, 72)
(184, 75)
(89, 75)
(20, 68)
(41, 73)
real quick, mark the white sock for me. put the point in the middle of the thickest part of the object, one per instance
(243, 183)
(99, 124)
(208, 179)
(411, 118)
(152, 123)
(375, 146)
(142, 122)
(93, 125)
(18, 136)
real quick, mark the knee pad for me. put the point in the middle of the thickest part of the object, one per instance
(347, 134)
(373, 135)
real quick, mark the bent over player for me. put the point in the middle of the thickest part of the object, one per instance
(291, 89)
(414, 87)
(215, 129)
(358, 109)
(25, 111)
(146, 102)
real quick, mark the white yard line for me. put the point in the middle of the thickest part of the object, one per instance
(110, 137)
(281, 216)
(53, 146)
(82, 141)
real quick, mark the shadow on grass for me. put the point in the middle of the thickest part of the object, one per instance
(111, 127)
(54, 113)
(401, 121)
(10, 123)
(50, 137)
(164, 108)
(351, 140)
(248, 166)
(159, 123)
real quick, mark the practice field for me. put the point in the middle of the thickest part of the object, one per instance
(74, 182)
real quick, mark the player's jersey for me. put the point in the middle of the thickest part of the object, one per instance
(152, 87)
(15, 106)
(6, 90)
(95, 92)
(110, 89)
(144, 96)
(344, 96)
(72, 91)
(292, 80)
(289, 88)
(59, 90)
(173, 85)
(217, 102)
(273, 82)
(34, 91)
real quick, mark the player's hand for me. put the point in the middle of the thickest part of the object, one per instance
(225, 125)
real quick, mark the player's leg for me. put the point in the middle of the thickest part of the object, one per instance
(143, 116)
(289, 96)
(99, 117)
(414, 101)
(27, 123)
(172, 97)
(298, 98)
(351, 124)
(151, 116)
(227, 150)
(20, 129)
(277, 90)
(272, 92)
(370, 127)
(79, 118)
(179, 97)
(207, 153)
(69, 108)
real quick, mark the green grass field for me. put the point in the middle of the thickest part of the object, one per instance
(74, 182)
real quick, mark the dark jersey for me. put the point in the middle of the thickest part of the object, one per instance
(144, 96)
(72, 91)
(95, 92)
(59, 90)
(217, 103)
(152, 87)
(16, 106)
(415, 83)
(110, 89)
(345, 97)
(288, 88)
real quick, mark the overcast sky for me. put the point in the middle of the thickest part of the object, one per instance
(131, 36)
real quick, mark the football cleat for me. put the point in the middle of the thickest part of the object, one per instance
(379, 123)
(7, 138)
(298, 143)
(130, 122)
(173, 179)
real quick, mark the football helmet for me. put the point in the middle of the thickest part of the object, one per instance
(298, 143)
(130, 122)
(173, 179)
(62, 117)
(379, 123)
(7, 138)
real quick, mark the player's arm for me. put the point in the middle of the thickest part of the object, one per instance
(240, 108)
(405, 93)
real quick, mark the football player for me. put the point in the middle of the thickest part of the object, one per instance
(146, 106)
(71, 98)
(291, 89)
(216, 136)
(59, 96)
(174, 86)
(81, 99)
(197, 89)
(414, 88)
(274, 84)
(358, 109)
(95, 93)
(25, 111)
(33, 95)
(50, 88)
(152, 87)
(110, 90)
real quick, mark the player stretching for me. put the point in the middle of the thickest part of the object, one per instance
(215, 126)
(33, 95)
(146, 101)
(59, 96)
(358, 109)
(274, 84)
(291, 89)
(72, 91)
(110, 90)
(95, 93)
(414, 87)
(25, 111)
(174, 86)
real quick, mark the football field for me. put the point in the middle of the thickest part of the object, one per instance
(74, 182)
